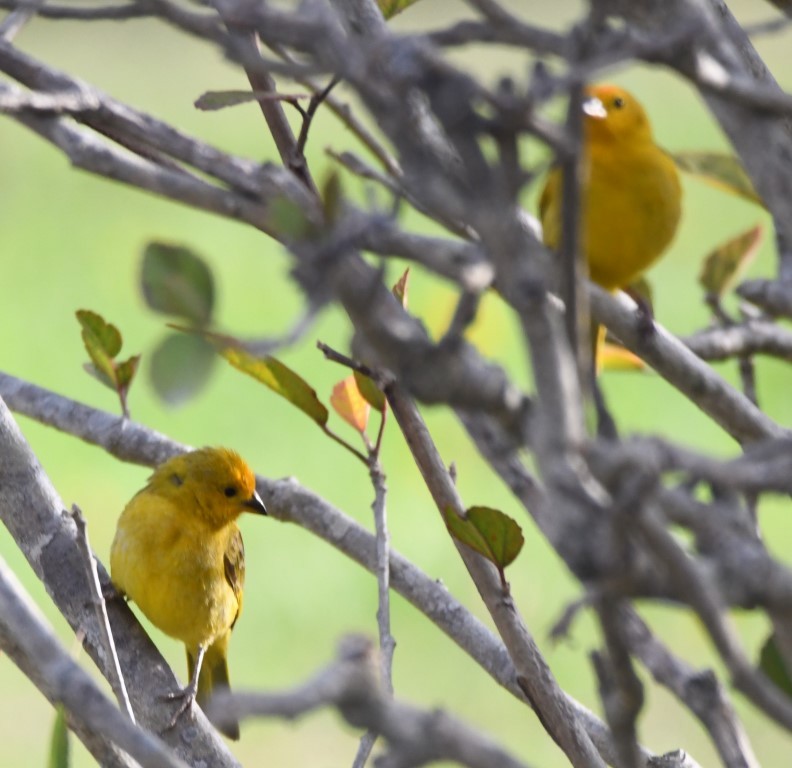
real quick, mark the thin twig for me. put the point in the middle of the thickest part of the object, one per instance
(351, 684)
(117, 683)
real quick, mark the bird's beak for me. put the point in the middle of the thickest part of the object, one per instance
(255, 504)
(593, 107)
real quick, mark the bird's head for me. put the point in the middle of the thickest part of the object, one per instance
(613, 114)
(216, 483)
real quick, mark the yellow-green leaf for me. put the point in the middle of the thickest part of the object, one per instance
(180, 367)
(772, 664)
(102, 341)
(390, 8)
(400, 289)
(280, 379)
(719, 169)
(59, 753)
(370, 391)
(723, 266)
(488, 531)
(176, 281)
(350, 405)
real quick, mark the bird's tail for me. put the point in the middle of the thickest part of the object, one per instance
(212, 678)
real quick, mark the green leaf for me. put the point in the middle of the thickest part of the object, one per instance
(720, 170)
(102, 341)
(59, 754)
(180, 367)
(211, 101)
(390, 8)
(772, 664)
(125, 371)
(176, 281)
(488, 531)
(100, 376)
(370, 391)
(214, 100)
(723, 266)
(280, 379)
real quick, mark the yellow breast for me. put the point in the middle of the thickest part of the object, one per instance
(171, 564)
(630, 211)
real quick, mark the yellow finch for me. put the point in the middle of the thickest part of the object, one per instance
(178, 554)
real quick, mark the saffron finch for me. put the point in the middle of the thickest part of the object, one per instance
(630, 194)
(178, 554)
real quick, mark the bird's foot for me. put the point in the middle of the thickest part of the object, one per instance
(644, 315)
(186, 697)
(109, 592)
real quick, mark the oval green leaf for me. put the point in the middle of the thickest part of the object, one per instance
(280, 379)
(180, 367)
(723, 266)
(488, 531)
(176, 281)
(719, 169)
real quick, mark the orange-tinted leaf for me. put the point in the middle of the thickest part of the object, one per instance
(724, 265)
(280, 379)
(102, 341)
(488, 531)
(400, 290)
(721, 170)
(370, 391)
(350, 405)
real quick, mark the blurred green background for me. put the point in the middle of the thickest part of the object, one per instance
(71, 240)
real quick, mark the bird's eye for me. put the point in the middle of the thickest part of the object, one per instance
(230, 491)
(618, 102)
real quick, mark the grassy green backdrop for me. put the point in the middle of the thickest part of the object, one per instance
(71, 240)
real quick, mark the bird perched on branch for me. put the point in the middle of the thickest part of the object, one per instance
(178, 554)
(630, 191)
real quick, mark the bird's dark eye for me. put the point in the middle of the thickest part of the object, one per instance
(230, 491)
(618, 102)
